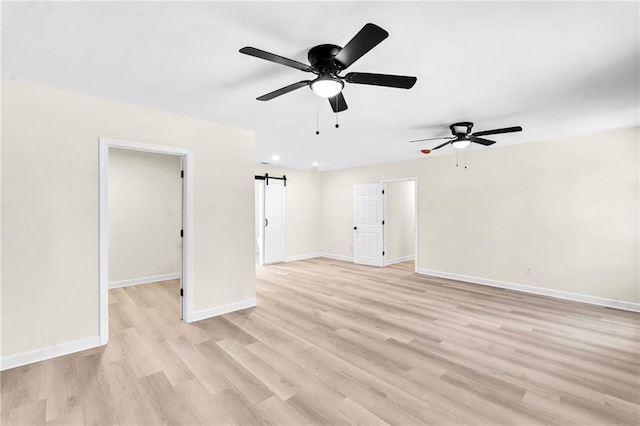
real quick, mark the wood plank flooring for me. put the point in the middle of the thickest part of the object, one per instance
(334, 343)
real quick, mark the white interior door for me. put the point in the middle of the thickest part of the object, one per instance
(273, 248)
(368, 229)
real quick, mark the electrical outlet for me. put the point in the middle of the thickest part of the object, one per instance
(528, 269)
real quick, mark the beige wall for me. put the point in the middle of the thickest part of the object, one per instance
(399, 219)
(145, 201)
(567, 207)
(50, 209)
(302, 210)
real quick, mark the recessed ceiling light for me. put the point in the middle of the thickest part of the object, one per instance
(275, 157)
(314, 164)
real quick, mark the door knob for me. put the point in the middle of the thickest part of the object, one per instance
(355, 228)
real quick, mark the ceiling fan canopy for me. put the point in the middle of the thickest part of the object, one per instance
(462, 136)
(461, 129)
(327, 61)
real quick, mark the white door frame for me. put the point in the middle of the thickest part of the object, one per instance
(187, 219)
(415, 200)
(260, 188)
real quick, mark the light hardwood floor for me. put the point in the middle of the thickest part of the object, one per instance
(335, 343)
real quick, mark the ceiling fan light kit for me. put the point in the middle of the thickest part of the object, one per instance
(326, 86)
(461, 144)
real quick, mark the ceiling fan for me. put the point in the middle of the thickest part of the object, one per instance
(462, 136)
(328, 60)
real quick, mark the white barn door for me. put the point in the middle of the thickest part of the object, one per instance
(273, 247)
(368, 229)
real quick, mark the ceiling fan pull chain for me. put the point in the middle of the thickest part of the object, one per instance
(317, 121)
(465, 159)
(337, 125)
(456, 157)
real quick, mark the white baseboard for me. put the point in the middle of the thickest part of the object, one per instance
(24, 358)
(558, 294)
(400, 259)
(301, 257)
(145, 280)
(225, 309)
(336, 257)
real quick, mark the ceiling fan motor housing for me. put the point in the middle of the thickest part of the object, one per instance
(461, 129)
(321, 58)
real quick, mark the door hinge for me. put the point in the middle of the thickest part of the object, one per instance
(181, 233)
(182, 173)
(383, 222)
(383, 253)
(181, 293)
(383, 192)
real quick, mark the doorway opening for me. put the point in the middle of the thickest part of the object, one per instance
(270, 205)
(400, 214)
(135, 262)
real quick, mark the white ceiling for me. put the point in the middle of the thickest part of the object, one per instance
(556, 69)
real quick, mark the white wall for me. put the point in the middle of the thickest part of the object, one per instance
(50, 276)
(145, 217)
(399, 229)
(567, 207)
(302, 210)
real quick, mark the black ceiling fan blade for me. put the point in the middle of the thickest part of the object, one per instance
(481, 141)
(284, 90)
(386, 80)
(440, 146)
(367, 38)
(252, 51)
(498, 131)
(338, 104)
(433, 139)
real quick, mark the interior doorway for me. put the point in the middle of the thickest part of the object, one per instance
(182, 226)
(270, 219)
(400, 213)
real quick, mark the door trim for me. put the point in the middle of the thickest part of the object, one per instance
(417, 221)
(187, 214)
(260, 188)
